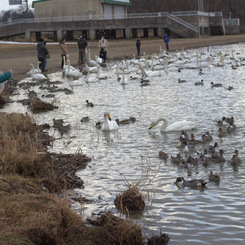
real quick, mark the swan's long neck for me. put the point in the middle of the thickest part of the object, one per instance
(165, 123)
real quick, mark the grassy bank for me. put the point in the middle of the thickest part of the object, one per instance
(31, 179)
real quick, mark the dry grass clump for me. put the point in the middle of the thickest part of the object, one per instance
(163, 239)
(40, 106)
(130, 200)
(20, 143)
(112, 230)
(36, 219)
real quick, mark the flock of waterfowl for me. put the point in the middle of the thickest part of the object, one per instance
(142, 70)
(200, 152)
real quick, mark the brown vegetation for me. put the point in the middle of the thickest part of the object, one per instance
(130, 200)
(30, 178)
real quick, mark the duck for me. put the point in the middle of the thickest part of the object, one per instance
(89, 104)
(218, 158)
(208, 137)
(192, 160)
(235, 160)
(216, 85)
(213, 177)
(199, 83)
(230, 129)
(190, 183)
(221, 133)
(228, 120)
(185, 164)
(183, 136)
(213, 148)
(176, 159)
(108, 124)
(85, 119)
(126, 121)
(163, 155)
(177, 126)
(182, 80)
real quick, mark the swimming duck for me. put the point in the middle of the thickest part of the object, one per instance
(176, 159)
(199, 83)
(235, 160)
(109, 125)
(163, 155)
(192, 160)
(190, 183)
(218, 158)
(213, 177)
(231, 129)
(85, 119)
(229, 120)
(213, 148)
(221, 133)
(182, 80)
(208, 137)
(216, 85)
(89, 104)
(126, 121)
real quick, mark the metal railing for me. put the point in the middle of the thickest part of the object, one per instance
(232, 22)
(182, 22)
(97, 17)
(196, 13)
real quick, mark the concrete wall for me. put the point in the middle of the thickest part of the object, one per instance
(62, 8)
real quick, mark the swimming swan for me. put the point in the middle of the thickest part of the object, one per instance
(177, 126)
(109, 125)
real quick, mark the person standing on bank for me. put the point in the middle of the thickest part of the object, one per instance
(82, 45)
(166, 41)
(103, 44)
(138, 44)
(64, 52)
(42, 53)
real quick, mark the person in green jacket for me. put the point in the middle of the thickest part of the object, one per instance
(6, 75)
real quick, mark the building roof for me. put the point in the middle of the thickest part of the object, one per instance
(119, 2)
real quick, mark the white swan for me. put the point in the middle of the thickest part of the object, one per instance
(177, 126)
(108, 124)
(71, 72)
(38, 77)
(33, 70)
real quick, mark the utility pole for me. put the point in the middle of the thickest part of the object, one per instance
(200, 5)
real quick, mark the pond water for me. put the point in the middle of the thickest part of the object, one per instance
(213, 215)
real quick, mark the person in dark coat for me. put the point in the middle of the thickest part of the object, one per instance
(82, 45)
(166, 41)
(42, 53)
(138, 44)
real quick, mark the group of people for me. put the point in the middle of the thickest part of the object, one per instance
(43, 53)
